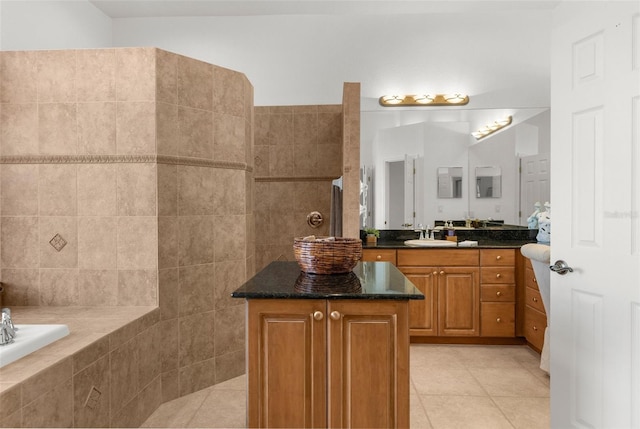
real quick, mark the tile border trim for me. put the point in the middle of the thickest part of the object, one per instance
(122, 159)
(296, 179)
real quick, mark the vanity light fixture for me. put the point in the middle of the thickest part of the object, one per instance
(491, 128)
(424, 100)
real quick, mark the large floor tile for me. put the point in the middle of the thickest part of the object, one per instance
(489, 356)
(464, 412)
(446, 381)
(434, 355)
(177, 413)
(418, 416)
(518, 382)
(222, 409)
(525, 413)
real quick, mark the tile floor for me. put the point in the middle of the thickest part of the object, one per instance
(452, 386)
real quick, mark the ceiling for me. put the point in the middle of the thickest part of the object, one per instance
(183, 8)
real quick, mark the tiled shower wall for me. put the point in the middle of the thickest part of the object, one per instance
(126, 179)
(298, 152)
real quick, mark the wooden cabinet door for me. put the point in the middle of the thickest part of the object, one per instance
(423, 314)
(287, 363)
(459, 301)
(368, 347)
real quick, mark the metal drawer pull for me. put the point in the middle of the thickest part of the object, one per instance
(335, 315)
(379, 257)
(535, 328)
(498, 257)
(498, 275)
(535, 299)
(561, 267)
(498, 320)
(498, 293)
(318, 315)
(442, 273)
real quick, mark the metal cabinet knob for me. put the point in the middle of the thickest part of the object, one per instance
(535, 299)
(318, 315)
(435, 273)
(535, 328)
(498, 293)
(498, 257)
(378, 257)
(442, 273)
(335, 315)
(498, 275)
(498, 320)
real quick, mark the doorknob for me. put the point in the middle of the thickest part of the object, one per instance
(561, 267)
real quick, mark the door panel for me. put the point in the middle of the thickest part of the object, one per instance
(595, 85)
(459, 301)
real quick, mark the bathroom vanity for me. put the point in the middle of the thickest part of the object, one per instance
(328, 351)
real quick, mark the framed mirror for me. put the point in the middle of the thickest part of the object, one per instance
(488, 182)
(449, 182)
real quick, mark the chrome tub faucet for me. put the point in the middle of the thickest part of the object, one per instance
(7, 329)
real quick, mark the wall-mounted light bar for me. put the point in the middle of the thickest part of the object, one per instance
(424, 100)
(491, 128)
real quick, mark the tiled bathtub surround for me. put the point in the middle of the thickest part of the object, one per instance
(141, 161)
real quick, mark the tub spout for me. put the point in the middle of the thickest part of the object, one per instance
(7, 330)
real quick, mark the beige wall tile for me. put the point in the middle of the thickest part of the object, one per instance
(168, 241)
(229, 331)
(19, 196)
(98, 287)
(137, 287)
(305, 160)
(171, 336)
(195, 133)
(136, 191)
(56, 76)
(229, 139)
(170, 385)
(195, 83)
(135, 128)
(230, 238)
(168, 293)
(21, 286)
(330, 161)
(91, 395)
(127, 416)
(261, 161)
(196, 289)
(58, 287)
(261, 124)
(57, 128)
(97, 243)
(195, 190)
(168, 129)
(11, 398)
(97, 190)
(150, 343)
(135, 74)
(53, 409)
(19, 72)
(229, 92)
(229, 366)
(137, 242)
(96, 75)
(97, 128)
(229, 275)
(167, 190)
(197, 376)
(305, 128)
(196, 338)
(45, 380)
(90, 354)
(123, 335)
(124, 374)
(65, 227)
(149, 399)
(281, 126)
(19, 241)
(196, 240)
(248, 142)
(229, 192)
(330, 128)
(19, 129)
(166, 76)
(58, 192)
(281, 160)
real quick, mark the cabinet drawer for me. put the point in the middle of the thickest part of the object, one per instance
(498, 293)
(530, 277)
(497, 319)
(497, 275)
(379, 255)
(533, 299)
(534, 325)
(438, 257)
(500, 257)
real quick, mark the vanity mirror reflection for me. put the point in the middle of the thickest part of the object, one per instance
(449, 182)
(488, 182)
(436, 139)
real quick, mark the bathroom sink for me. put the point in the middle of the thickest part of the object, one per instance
(30, 338)
(431, 243)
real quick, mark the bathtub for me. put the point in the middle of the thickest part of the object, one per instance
(30, 338)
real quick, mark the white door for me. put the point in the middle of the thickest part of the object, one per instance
(409, 190)
(595, 147)
(534, 183)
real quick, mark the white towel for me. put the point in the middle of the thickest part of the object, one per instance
(536, 252)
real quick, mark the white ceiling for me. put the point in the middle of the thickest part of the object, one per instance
(183, 8)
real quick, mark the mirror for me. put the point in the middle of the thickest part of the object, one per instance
(439, 139)
(488, 182)
(449, 182)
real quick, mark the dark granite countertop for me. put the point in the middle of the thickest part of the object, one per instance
(368, 280)
(482, 244)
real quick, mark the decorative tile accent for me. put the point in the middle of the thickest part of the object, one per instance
(58, 242)
(257, 161)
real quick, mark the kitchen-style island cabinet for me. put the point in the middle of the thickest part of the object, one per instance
(328, 351)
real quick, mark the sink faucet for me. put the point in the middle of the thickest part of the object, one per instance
(7, 329)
